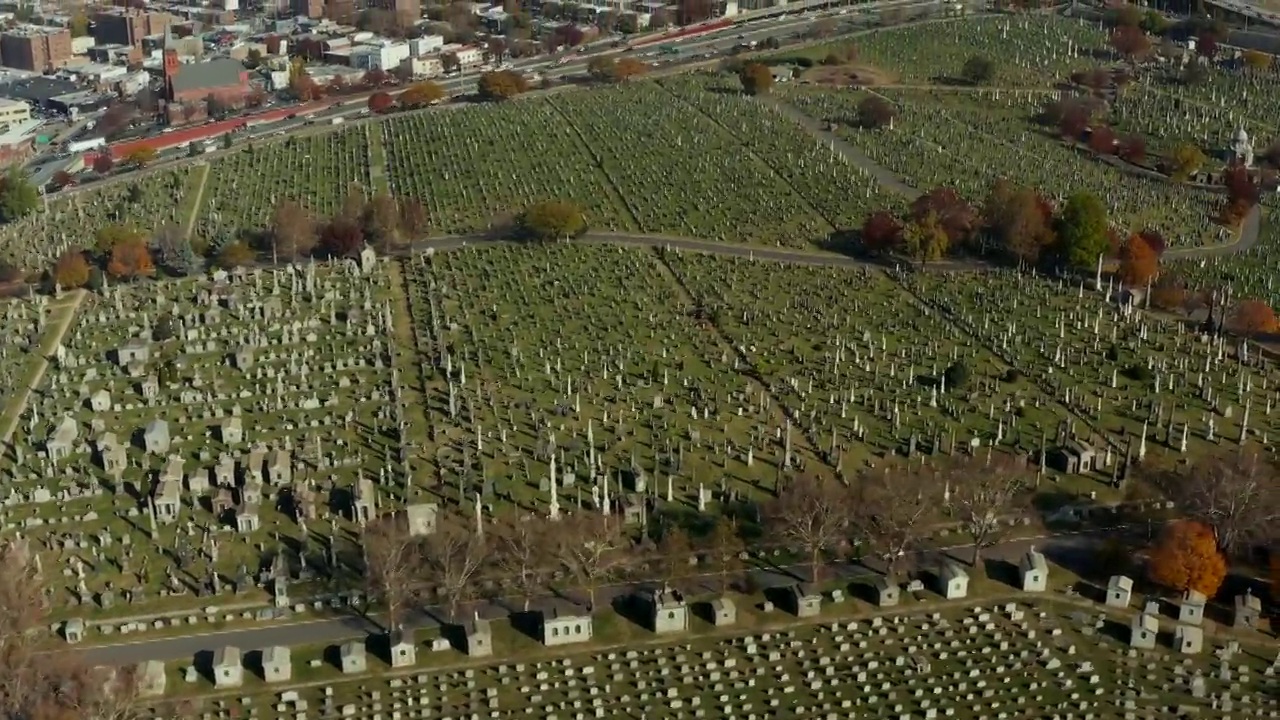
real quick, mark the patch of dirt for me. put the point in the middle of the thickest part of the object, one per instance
(848, 75)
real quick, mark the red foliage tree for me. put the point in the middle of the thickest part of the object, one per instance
(1075, 118)
(1154, 240)
(342, 237)
(1133, 149)
(1115, 243)
(1240, 186)
(1207, 45)
(381, 102)
(62, 179)
(1097, 79)
(958, 219)
(1252, 316)
(1130, 42)
(881, 232)
(102, 164)
(376, 78)
(1102, 140)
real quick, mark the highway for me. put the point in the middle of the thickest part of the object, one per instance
(789, 29)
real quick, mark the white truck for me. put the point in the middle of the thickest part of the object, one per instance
(337, 121)
(79, 146)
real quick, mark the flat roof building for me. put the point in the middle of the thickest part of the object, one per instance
(119, 26)
(35, 47)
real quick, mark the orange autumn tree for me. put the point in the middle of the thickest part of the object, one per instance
(130, 259)
(1187, 558)
(1139, 262)
(1251, 317)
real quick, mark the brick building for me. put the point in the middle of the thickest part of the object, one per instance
(128, 27)
(406, 11)
(340, 11)
(35, 48)
(308, 8)
(189, 87)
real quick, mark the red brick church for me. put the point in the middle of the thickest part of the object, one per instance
(190, 88)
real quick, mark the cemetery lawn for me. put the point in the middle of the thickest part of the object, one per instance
(455, 377)
(1121, 374)
(1025, 654)
(59, 314)
(297, 358)
(687, 155)
(934, 134)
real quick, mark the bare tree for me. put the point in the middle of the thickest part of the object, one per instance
(293, 231)
(1237, 494)
(894, 505)
(37, 685)
(674, 551)
(725, 547)
(392, 559)
(984, 493)
(812, 514)
(523, 551)
(590, 547)
(452, 557)
(106, 693)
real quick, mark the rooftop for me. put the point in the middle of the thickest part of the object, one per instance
(36, 88)
(34, 30)
(217, 73)
(14, 133)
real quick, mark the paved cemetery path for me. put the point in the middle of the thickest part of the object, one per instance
(48, 344)
(1064, 549)
(675, 242)
(1248, 237)
(886, 177)
(714, 247)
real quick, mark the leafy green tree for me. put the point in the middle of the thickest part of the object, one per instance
(1082, 230)
(552, 220)
(236, 254)
(602, 67)
(978, 70)
(108, 236)
(1153, 23)
(18, 197)
(926, 239)
(79, 25)
(957, 375)
(1188, 158)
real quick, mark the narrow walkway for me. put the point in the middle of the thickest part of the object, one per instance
(887, 178)
(193, 212)
(48, 344)
(377, 159)
(713, 247)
